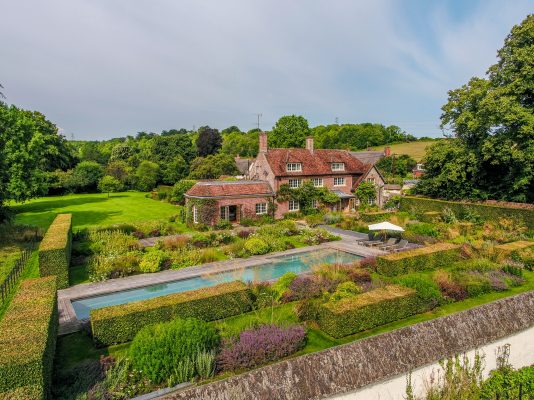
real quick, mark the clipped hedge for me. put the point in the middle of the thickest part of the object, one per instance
(376, 216)
(421, 205)
(28, 334)
(55, 250)
(119, 324)
(508, 248)
(424, 258)
(365, 311)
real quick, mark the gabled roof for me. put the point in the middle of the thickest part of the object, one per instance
(317, 162)
(243, 164)
(222, 189)
(369, 156)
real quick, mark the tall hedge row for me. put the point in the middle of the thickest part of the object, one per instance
(365, 311)
(424, 258)
(55, 250)
(119, 324)
(28, 334)
(421, 205)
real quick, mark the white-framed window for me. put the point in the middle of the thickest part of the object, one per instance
(294, 167)
(195, 215)
(371, 180)
(261, 208)
(317, 182)
(295, 183)
(224, 213)
(293, 205)
(314, 203)
(338, 166)
(339, 181)
(371, 201)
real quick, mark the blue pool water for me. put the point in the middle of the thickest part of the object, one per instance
(298, 263)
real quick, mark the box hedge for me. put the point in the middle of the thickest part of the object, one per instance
(55, 250)
(518, 211)
(376, 216)
(119, 324)
(424, 258)
(368, 310)
(28, 334)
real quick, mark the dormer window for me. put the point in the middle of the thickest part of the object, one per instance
(338, 166)
(294, 167)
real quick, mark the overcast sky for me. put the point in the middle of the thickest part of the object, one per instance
(107, 68)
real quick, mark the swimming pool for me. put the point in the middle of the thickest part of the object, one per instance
(278, 266)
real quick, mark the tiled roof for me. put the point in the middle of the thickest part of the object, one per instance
(369, 156)
(243, 164)
(230, 189)
(313, 163)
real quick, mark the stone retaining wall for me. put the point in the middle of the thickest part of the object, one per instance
(343, 369)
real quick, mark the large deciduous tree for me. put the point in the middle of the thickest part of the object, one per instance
(29, 147)
(289, 131)
(209, 141)
(491, 154)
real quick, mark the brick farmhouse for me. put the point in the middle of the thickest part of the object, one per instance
(339, 171)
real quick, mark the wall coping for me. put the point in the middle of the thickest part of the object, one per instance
(351, 366)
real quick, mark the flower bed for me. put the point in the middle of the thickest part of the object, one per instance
(28, 340)
(365, 311)
(423, 258)
(55, 250)
(118, 324)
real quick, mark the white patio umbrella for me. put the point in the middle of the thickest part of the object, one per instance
(384, 227)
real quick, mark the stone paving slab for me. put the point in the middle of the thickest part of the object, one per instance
(68, 322)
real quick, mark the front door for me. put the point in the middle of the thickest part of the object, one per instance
(232, 213)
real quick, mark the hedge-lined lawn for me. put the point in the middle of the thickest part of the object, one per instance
(95, 209)
(9, 254)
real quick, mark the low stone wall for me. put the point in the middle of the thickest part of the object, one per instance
(346, 368)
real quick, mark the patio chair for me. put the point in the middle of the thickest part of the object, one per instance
(391, 242)
(372, 238)
(399, 246)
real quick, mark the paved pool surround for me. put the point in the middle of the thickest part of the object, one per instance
(68, 322)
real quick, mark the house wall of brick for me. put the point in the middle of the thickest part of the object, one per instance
(246, 206)
(379, 182)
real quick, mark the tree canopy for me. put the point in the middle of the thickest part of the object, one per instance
(491, 120)
(289, 131)
(209, 141)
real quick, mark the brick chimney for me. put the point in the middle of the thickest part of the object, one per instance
(309, 143)
(387, 151)
(263, 142)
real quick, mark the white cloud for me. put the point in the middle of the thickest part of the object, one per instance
(107, 68)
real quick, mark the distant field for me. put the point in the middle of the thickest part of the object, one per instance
(94, 209)
(413, 149)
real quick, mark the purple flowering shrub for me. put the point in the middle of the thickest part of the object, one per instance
(260, 345)
(304, 287)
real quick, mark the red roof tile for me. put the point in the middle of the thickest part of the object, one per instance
(230, 189)
(316, 163)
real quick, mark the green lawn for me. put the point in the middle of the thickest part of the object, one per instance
(94, 209)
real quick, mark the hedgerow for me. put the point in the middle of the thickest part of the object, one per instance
(55, 250)
(28, 333)
(118, 324)
(365, 311)
(421, 205)
(424, 258)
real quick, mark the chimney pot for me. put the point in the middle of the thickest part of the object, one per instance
(309, 143)
(263, 142)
